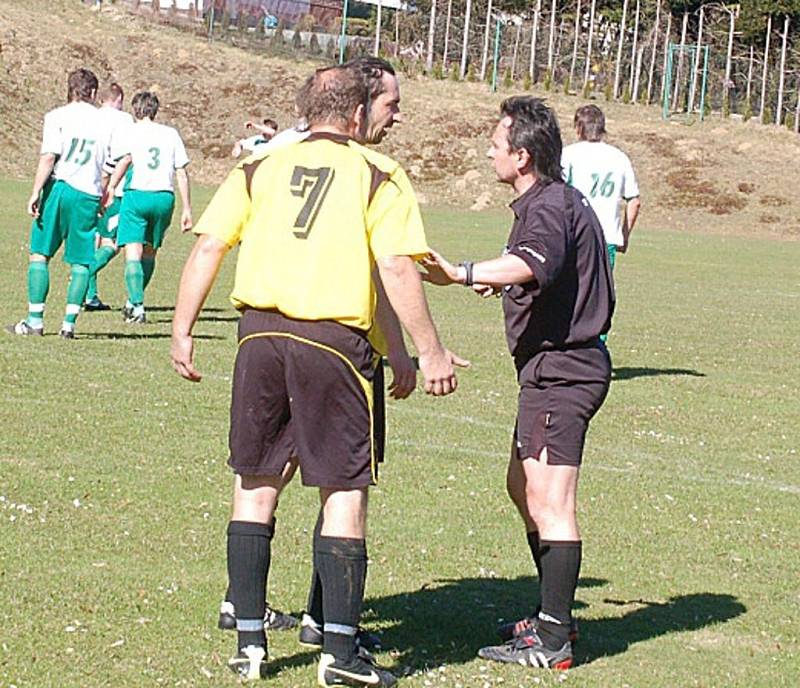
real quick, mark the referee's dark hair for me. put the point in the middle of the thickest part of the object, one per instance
(590, 123)
(534, 127)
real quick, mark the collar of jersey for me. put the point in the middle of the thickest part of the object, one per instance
(328, 136)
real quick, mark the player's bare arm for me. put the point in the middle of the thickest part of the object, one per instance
(404, 372)
(632, 208)
(488, 274)
(120, 169)
(184, 189)
(403, 286)
(43, 171)
(197, 278)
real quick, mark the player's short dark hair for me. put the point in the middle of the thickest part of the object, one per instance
(372, 69)
(331, 95)
(271, 123)
(82, 85)
(144, 105)
(111, 92)
(534, 127)
(590, 123)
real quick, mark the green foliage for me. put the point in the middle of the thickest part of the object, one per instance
(768, 116)
(789, 121)
(454, 72)
(436, 71)
(527, 82)
(626, 95)
(566, 86)
(608, 92)
(313, 45)
(548, 80)
(508, 80)
(747, 113)
(471, 74)
(297, 40)
(587, 90)
(726, 105)
(278, 39)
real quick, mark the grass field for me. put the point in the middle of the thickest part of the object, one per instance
(114, 494)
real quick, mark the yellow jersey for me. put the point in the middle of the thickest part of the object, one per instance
(310, 219)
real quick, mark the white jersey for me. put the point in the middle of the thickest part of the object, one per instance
(156, 151)
(75, 134)
(114, 122)
(604, 175)
(280, 139)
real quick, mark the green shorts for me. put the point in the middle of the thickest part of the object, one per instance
(107, 224)
(66, 216)
(612, 254)
(145, 217)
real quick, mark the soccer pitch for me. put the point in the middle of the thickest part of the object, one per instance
(114, 493)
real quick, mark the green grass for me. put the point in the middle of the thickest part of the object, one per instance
(111, 572)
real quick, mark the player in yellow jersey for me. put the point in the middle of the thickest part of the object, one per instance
(313, 220)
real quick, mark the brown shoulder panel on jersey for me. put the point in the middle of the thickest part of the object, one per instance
(378, 177)
(249, 170)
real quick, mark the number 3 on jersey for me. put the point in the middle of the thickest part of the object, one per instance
(155, 158)
(313, 185)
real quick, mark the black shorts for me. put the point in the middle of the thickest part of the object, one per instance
(559, 393)
(302, 388)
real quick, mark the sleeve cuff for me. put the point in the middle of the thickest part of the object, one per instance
(536, 266)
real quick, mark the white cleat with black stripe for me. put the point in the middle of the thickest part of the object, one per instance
(250, 663)
(358, 672)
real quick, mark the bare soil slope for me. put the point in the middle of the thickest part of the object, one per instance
(721, 176)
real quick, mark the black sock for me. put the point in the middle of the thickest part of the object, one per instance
(533, 543)
(248, 566)
(314, 607)
(342, 568)
(561, 564)
(228, 595)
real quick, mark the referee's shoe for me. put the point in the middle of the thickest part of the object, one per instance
(360, 671)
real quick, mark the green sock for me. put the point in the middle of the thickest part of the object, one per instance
(38, 286)
(148, 267)
(102, 257)
(134, 281)
(76, 293)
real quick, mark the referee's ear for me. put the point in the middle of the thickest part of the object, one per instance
(359, 122)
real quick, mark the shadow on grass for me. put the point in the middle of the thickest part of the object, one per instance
(632, 372)
(143, 335)
(169, 309)
(202, 318)
(275, 666)
(449, 621)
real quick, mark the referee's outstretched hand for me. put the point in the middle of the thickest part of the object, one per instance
(437, 369)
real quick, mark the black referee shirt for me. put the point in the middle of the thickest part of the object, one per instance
(569, 302)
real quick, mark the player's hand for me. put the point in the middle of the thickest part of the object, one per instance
(437, 369)
(108, 199)
(404, 375)
(33, 205)
(438, 270)
(485, 290)
(182, 353)
(186, 220)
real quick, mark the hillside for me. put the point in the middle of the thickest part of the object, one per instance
(718, 176)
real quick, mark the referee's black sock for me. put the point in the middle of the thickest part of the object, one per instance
(314, 606)
(248, 565)
(342, 568)
(533, 543)
(561, 564)
(228, 595)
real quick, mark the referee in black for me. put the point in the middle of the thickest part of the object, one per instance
(558, 298)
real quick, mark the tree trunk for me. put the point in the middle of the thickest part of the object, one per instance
(516, 52)
(653, 52)
(534, 35)
(667, 35)
(588, 66)
(750, 74)
(485, 57)
(779, 109)
(634, 45)
(431, 36)
(764, 73)
(679, 71)
(637, 74)
(377, 50)
(696, 67)
(447, 34)
(465, 44)
(551, 40)
(726, 87)
(575, 44)
(619, 49)
(797, 110)
(396, 33)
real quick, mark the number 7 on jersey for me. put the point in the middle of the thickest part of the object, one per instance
(313, 185)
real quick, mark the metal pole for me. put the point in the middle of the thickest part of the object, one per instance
(703, 85)
(343, 38)
(667, 81)
(211, 23)
(496, 56)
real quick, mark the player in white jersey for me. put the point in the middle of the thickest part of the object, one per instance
(157, 154)
(65, 201)
(115, 120)
(253, 144)
(604, 174)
